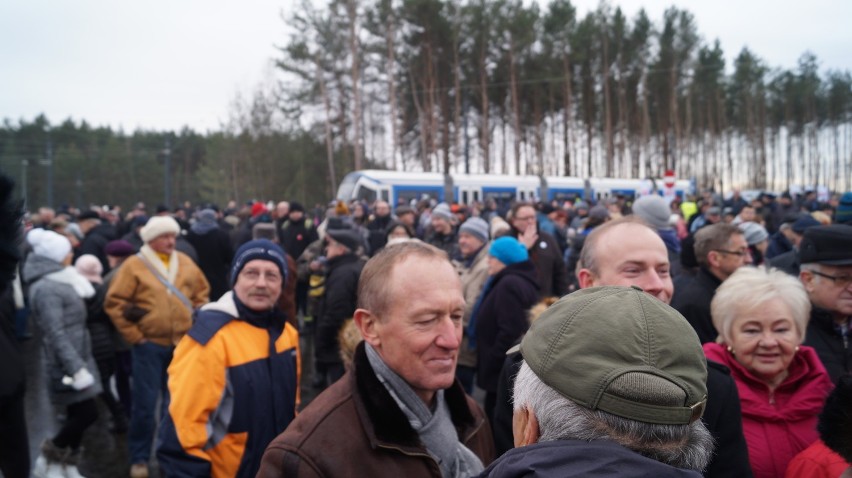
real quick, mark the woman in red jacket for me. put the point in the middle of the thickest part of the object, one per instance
(761, 318)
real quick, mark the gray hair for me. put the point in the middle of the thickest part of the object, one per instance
(749, 288)
(559, 418)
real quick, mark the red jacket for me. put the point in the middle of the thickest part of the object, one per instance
(778, 425)
(817, 461)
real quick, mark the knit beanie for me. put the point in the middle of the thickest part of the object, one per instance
(843, 214)
(157, 226)
(476, 227)
(90, 267)
(257, 209)
(442, 211)
(508, 250)
(262, 249)
(754, 233)
(49, 244)
(119, 248)
(654, 210)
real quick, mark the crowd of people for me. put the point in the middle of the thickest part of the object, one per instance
(693, 336)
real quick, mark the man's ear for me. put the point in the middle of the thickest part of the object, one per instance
(807, 279)
(367, 324)
(713, 259)
(585, 278)
(525, 427)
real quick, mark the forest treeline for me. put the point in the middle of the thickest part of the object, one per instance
(485, 86)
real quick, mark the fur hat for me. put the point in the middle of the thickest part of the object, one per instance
(90, 267)
(157, 226)
(49, 244)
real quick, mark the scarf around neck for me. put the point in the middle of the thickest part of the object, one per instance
(435, 428)
(70, 276)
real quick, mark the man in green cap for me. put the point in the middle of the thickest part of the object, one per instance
(612, 384)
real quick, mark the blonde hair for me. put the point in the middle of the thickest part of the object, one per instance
(751, 287)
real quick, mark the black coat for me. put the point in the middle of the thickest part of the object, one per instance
(95, 242)
(552, 276)
(502, 319)
(337, 305)
(378, 233)
(215, 253)
(296, 236)
(787, 262)
(834, 352)
(693, 302)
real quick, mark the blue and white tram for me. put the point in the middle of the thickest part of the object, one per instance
(402, 187)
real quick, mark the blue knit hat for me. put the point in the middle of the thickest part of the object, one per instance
(508, 250)
(263, 249)
(843, 214)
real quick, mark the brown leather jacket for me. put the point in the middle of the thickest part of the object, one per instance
(356, 429)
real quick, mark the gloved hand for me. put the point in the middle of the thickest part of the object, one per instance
(81, 379)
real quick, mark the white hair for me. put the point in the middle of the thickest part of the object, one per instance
(559, 418)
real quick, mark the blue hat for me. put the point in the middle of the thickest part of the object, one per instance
(263, 249)
(508, 250)
(843, 214)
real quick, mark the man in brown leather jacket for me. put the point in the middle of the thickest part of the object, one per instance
(399, 411)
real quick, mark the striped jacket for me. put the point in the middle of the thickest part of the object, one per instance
(233, 388)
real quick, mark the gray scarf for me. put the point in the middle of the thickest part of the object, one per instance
(435, 429)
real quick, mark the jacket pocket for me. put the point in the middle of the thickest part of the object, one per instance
(134, 313)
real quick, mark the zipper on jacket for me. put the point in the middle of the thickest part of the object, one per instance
(411, 453)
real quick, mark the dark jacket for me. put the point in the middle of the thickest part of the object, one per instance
(787, 262)
(549, 265)
(446, 242)
(356, 429)
(693, 302)
(214, 258)
(378, 233)
(501, 319)
(95, 242)
(834, 352)
(296, 236)
(577, 458)
(338, 304)
(722, 418)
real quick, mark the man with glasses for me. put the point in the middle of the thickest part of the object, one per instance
(543, 250)
(825, 253)
(234, 377)
(720, 250)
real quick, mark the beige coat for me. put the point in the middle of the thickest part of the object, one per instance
(473, 279)
(141, 307)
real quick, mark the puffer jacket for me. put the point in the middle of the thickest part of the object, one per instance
(778, 425)
(355, 428)
(60, 313)
(233, 387)
(141, 307)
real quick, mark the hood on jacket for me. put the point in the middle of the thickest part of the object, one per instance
(37, 266)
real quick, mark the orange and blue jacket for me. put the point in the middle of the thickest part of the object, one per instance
(233, 388)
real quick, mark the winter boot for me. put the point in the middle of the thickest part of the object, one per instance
(71, 462)
(49, 463)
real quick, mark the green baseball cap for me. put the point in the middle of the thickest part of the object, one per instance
(622, 351)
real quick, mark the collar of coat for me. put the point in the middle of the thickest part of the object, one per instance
(379, 410)
(154, 260)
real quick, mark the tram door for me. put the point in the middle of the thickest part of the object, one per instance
(468, 194)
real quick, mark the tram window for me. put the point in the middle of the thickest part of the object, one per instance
(476, 196)
(365, 194)
(464, 197)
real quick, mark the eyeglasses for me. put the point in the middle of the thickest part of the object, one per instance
(740, 253)
(842, 281)
(253, 275)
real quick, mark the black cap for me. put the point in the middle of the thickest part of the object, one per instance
(348, 237)
(804, 223)
(88, 215)
(295, 206)
(831, 245)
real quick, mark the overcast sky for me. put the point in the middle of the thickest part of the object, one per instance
(161, 65)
